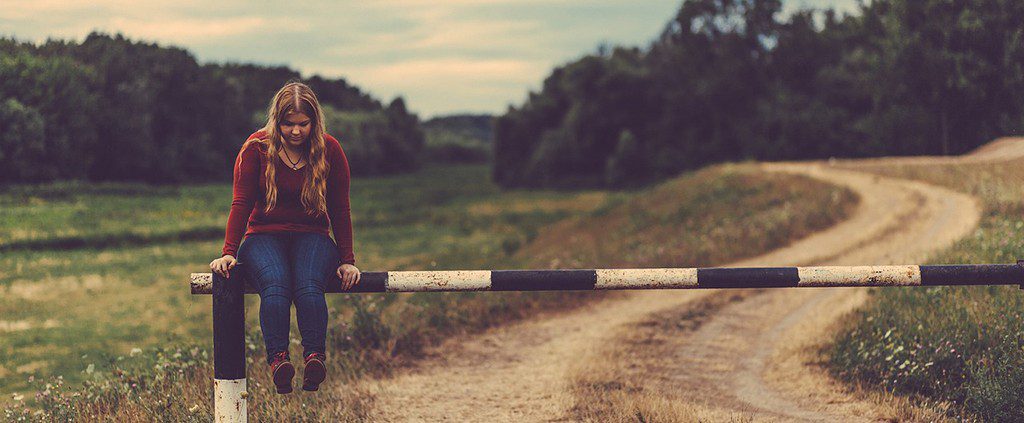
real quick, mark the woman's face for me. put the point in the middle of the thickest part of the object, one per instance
(295, 128)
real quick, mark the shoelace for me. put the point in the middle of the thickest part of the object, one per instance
(279, 357)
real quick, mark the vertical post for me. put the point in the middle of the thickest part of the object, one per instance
(1020, 264)
(229, 387)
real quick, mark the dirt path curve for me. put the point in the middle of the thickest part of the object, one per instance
(748, 358)
(519, 372)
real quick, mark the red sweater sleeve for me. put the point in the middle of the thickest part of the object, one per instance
(338, 208)
(243, 192)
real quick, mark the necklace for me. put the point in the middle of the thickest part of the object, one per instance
(295, 165)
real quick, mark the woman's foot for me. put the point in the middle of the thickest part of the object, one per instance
(282, 371)
(315, 371)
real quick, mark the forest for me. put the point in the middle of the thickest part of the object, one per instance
(726, 80)
(112, 109)
(731, 80)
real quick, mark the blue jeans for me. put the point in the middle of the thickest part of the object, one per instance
(288, 267)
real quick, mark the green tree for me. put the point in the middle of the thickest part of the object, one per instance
(628, 164)
(60, 91)
(22, 143)
(114, 109)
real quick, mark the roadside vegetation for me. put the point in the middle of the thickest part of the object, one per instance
(961, 347)
(113, 332)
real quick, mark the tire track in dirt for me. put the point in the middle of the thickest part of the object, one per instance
(757, 340)
(520, 371)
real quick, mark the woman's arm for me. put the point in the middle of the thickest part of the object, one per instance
(243, 192)
(339, 209)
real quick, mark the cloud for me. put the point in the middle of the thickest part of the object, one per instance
(448, 84)
(445, 69)
(483, 39)
(199, 30)
(42, 9)
(474, 34)
(187, 23)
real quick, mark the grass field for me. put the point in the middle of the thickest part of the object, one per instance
(114, 312)
(63, 308)
(958, 346)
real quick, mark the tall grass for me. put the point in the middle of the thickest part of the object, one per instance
(720, 214)
(63, 309)
(76, 215)
(958, 345)
(441, 218)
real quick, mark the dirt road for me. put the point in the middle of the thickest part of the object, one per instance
(745, 361)
(748, 360)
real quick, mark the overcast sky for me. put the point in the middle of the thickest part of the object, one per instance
(442, 56)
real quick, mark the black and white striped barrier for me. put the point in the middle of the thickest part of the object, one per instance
(229, 312)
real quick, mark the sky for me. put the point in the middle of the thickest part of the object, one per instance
(441, 56)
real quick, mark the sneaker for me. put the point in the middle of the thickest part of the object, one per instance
(282, 372)
(315, 371)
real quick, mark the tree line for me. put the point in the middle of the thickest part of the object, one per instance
(112, 109)
(459, 138)
(731, 80)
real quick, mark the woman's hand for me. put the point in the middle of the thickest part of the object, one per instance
(349, 276)
(223, 265)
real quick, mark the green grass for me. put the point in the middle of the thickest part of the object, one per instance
(957, 345)
(695, 221)
(76, 215)
(70, 215)
(88, 308)
(113, 299)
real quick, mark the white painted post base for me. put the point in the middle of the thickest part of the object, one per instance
(229, 401)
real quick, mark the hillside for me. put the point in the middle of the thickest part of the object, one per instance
(460, 138)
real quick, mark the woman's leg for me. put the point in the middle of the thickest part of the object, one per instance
(265, 261)
(314, 259)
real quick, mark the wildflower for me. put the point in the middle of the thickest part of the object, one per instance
(18, 397)
(135, 351)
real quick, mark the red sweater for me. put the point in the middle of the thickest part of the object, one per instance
(249, 199)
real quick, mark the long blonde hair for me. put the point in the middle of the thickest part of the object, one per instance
(296, 97)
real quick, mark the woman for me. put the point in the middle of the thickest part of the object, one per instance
(291, 180)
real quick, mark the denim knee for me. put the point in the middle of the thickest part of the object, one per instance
(264, 261)
(272, 280)
(315, 258)
(308, 289)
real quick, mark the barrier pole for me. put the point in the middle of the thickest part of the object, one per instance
(229, 384)
(229, 311)
(668, 278)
